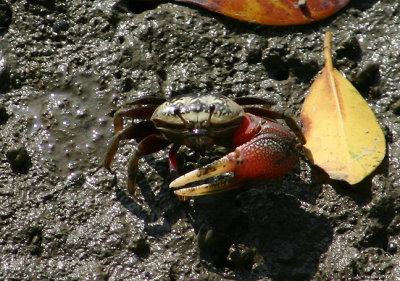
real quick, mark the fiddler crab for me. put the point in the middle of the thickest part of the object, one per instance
(261, 147)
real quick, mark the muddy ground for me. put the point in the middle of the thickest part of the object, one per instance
(67, 66)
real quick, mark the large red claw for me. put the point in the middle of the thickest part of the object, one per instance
(271, 154)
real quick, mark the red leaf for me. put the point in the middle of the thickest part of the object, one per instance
(273, 12)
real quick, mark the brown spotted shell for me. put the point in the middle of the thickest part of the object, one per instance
(198, 120)
(195, 108)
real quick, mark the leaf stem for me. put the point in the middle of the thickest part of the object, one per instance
(328, 50)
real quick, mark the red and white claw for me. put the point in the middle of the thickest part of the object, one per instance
(270, 154)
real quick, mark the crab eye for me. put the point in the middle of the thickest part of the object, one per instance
(177, 112)
(208, 122)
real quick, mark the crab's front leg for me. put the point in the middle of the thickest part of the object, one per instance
(149, 142)
(270, 154)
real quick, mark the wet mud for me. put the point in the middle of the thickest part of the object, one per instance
(67, 66)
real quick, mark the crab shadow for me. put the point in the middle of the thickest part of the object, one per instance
(258, 233)
(254, 231)
(158, 210)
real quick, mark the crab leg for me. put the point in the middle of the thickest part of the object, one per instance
(253, 101)
(266, 113)
(149, 142)
(173, 160)
(139, 112)
(148, 100)
(270, 154)
(136, 131)
(148, 145)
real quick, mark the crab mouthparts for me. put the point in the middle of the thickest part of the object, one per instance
(218, 168)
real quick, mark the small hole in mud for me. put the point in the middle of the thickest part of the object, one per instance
(127, 85)
(367, 80)
(278, 73)
(19, 160)
(304, 71)
(3, 116)
(5, 16)
(276, 68)
(162, 74)
(349, 48)
(396, 108)
(138, 7)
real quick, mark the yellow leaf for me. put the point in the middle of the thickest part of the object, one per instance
(341, 131)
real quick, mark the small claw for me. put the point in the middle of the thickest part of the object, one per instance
(269, 155)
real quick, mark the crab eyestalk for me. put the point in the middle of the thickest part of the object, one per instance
(271, 154)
